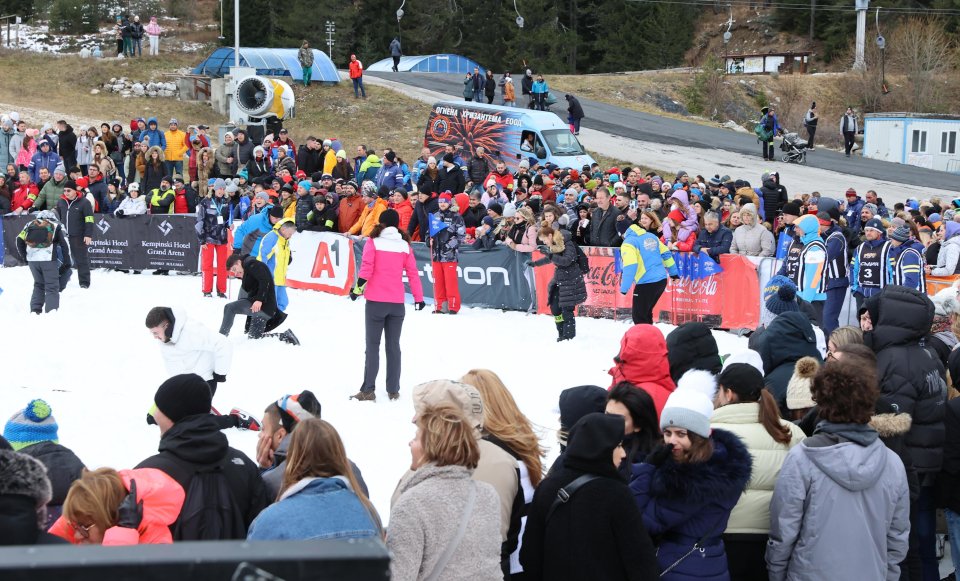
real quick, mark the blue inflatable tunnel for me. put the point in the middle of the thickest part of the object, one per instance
(270, 62)
(432, 63)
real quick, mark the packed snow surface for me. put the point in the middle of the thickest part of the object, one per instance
(98, 366)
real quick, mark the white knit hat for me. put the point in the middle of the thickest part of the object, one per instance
(748, 356)
(688, 409)
(798, 389)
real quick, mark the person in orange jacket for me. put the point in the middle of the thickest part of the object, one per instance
(356, 75)
(129, 507)
(177, 145)
(400, 202)
(374, 205)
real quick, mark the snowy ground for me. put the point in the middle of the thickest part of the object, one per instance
(99, 367)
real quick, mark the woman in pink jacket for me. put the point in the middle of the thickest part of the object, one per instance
(387, 256)
(129, 507)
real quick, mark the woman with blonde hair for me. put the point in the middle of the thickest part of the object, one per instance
(650, 222)
(566, 289)
(506, 426)
(841, 337)
(445, 525)
(320, 497)
(101, 157)
(129, 507)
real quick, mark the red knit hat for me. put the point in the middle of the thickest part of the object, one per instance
(676, 216)
(446, 197)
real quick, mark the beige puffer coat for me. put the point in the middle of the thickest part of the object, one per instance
(752, 513)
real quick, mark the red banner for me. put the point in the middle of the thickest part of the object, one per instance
(728, 300)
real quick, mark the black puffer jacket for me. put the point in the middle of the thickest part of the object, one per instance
(601, 519)
(567, 275)
(692, 346)
(786, 339)
(774, 197)
(63, 467)
(196, 442)
(911, 375)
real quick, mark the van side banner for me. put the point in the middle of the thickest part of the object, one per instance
(136, 242)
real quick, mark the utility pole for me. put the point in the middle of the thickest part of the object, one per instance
(331, 29)
(862, 6)
(813, 11)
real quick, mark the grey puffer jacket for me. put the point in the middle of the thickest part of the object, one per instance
(840, 510)
(426, 517)
(753, 240)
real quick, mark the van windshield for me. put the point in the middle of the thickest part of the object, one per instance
(562, 142)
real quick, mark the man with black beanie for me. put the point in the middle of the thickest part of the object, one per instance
(192, 447)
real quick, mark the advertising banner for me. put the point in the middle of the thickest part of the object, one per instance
(322, 261)
(728, 299)
(134, 243)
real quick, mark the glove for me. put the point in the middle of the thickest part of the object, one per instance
(236, 251)
(420, 306)
(130, 512)
(659, 455)
(528, 263)
(119, 213)
(219, 378)
(355, 293)
(543, 248)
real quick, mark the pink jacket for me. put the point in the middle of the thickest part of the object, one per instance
(153, 29)
(385, 260)
(162, 498)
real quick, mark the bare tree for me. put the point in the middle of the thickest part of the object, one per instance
(922, 50)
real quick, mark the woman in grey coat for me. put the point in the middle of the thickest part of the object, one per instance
(567, 289)
(841, 506)
(752, 238)
(444, 525)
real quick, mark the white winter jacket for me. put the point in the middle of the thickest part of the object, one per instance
(133, 206)
(752, 513)
(947, 258)
(753, 240)
(194, 348)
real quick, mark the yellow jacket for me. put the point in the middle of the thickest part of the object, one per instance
(176, 145)
(369, 218)
(329, 161)
(275, 253)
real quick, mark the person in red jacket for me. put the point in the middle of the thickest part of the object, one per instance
(25, 195)
(643, 362)
(400, 202)
(501, 175)
(356, 75)
(129, 507)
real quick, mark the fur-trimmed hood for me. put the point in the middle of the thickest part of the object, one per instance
(725, 473)
(150, 151)
(891, 425)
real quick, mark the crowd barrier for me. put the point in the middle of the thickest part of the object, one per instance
(329, 560)
(134, 243)
(727, 296)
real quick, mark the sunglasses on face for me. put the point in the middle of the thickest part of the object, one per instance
(83, 530)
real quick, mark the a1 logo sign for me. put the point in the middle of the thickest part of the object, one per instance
(321, 261)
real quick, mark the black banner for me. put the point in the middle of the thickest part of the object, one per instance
(137, 242)
(490, 278)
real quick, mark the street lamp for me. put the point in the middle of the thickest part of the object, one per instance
(221, 21)
(400, 14)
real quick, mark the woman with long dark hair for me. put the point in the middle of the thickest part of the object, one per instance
(747, 409)
(641, 432)
(387, 256)
(687, 487)
(320, 497)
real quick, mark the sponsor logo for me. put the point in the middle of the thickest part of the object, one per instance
(165, 227)
(103, 225)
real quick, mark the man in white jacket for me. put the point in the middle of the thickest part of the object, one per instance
(189, 347)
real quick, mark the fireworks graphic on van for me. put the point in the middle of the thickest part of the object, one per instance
(495, 138)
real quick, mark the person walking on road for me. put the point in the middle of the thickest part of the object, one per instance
(387, 257)
(810, 124)
(305, 57)
(396, 53)
(356, 75)
(766, 130)
(575, 111)
(848, 127)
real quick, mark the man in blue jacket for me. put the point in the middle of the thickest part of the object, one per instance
(906, 260)
(838, 259)
(247, 238)
(155, 135)
(854, 206)
(715, 238)
(871, 270)
(390, 174)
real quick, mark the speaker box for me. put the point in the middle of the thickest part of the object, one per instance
(327, 560)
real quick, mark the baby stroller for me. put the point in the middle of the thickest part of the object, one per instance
(794, 148)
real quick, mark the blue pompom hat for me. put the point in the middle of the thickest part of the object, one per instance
(32, 425)
(780, 295)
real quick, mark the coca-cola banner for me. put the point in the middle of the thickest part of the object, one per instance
(726, 296)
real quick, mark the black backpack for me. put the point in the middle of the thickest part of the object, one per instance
(209, 512)
(582, 261)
